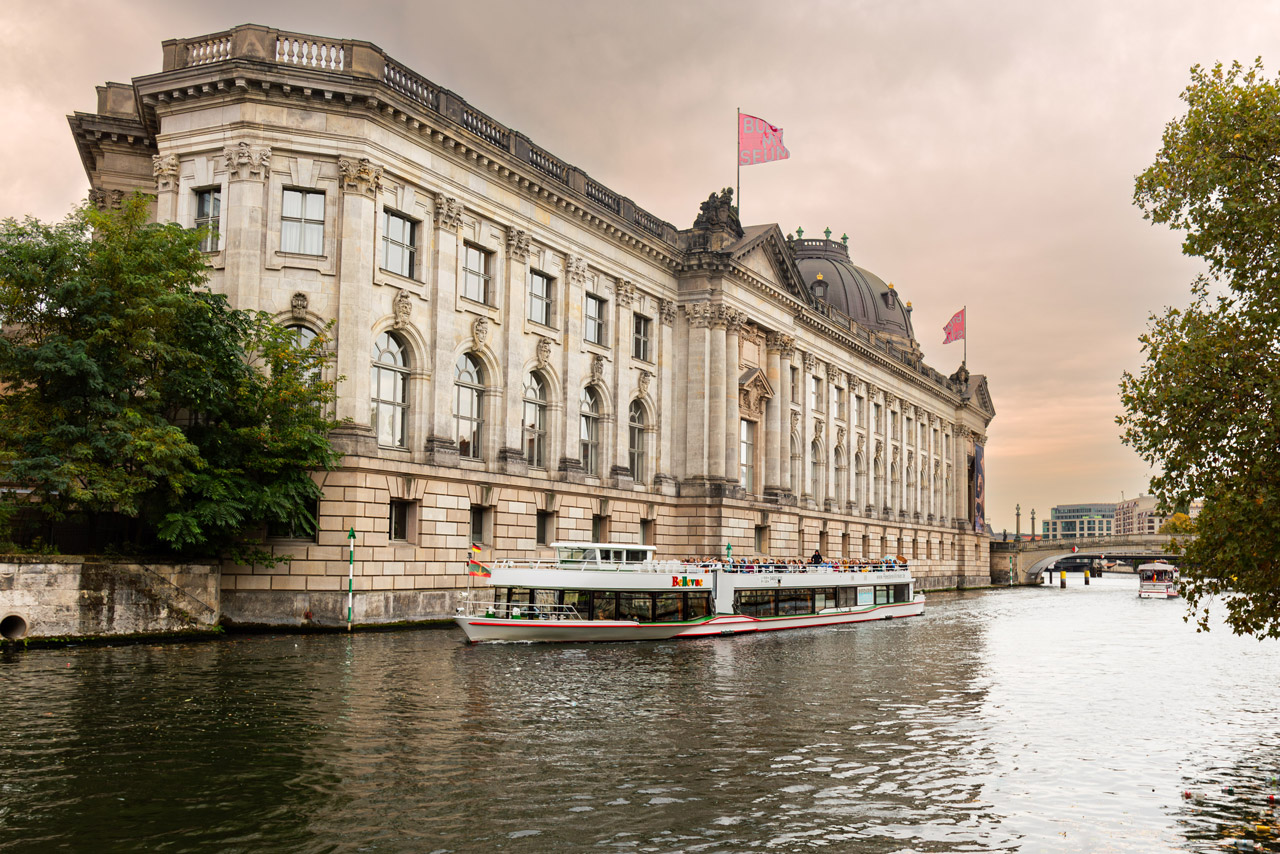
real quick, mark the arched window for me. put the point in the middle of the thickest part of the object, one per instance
(877, 485)
(859, 482)
(635, 440)
(589, 431)
(842, 480)
(815, 470)
(468, 415)
(303, 336)
(894, 483)
(535, 421)
(911, 489)
(390, 390)
(797, 463)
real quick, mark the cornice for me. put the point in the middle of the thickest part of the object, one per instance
(251, 78)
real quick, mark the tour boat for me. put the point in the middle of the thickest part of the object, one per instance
(1158, 580)
(603, 592)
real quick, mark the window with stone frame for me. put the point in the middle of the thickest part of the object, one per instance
(399, 244)
(545, 528)
(816, 401)
(641, 330)
(589, 431)
(302, 222)
(209, 217)
(535, 421)
(541, 298)
(594, 327)
(477, 265)
(797, 463)
(468, 414)
(636, 440)
(400, 520)
(816, 469)
(747, 455)
(389, 401)
(795, 384)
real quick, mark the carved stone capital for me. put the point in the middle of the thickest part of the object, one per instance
(787, 345)
(889, 399)
(810, 363)
(626, 293)
(834, 375)
(245, 161)
(448, 212)
(699, 314)
(165, 169)
(480, 332)
(361, 176)
(575, 269)
(105, 200)
(733, 320)
(401, 308)
(518, 244)
(667, 309)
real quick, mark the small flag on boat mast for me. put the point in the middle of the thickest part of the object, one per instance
(475, 567)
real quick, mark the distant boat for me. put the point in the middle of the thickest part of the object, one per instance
(1158, 580)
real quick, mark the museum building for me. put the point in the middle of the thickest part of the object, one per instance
(526, 356)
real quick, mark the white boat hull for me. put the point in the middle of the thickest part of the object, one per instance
(1165, 592)
(480, 628)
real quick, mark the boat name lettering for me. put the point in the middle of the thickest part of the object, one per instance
(685, 581)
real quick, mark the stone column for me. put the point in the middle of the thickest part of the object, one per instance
(244, 221)
(165, 168)
(361, 181)
(577, 366)
(829, 464)
(623, 379)
(716, 384)
(786, 351)
(511, 456)
(448, 219)
(773, 419)
(699, 318)
(663, 464)
(732, 415)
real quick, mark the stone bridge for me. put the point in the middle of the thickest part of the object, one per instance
(1029, 558)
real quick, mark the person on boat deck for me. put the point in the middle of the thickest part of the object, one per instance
(817, 557)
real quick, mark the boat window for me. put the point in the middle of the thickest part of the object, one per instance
(824, 597)
(604, 605)
(757, 603)
(902, 593)
(866, 596)
(637, 555)
(579, 601)
(520, 595)
(697, 606)
(846, 597)
(635, 606)
(795, 602)
(667, 607)
(882, 595)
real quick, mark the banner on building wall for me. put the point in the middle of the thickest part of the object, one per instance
(979, 490)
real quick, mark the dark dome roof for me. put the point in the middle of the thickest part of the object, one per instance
(851, 290)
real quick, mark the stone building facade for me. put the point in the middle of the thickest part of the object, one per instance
(525, 355)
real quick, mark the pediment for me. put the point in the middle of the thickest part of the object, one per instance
(763, 250)
(753, 391)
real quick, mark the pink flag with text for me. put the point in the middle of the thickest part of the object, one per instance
(759, 141)
(954, 327)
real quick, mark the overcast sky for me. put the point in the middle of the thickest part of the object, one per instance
(977, 153)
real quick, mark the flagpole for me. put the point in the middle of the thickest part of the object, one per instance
(965, 358)
(737, 157)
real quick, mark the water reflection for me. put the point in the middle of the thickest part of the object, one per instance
(1028, 720)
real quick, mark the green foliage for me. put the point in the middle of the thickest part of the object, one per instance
(1178, 523)
(1205, 408)
(131, 389)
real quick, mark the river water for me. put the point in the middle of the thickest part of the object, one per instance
(1022, 720)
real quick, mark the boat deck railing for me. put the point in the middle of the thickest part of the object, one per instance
(480, 607)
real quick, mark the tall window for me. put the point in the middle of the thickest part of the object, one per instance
(468, 384)
(475, 273)
(208, 216)
(479, 514)
(546, 526)
(399, 243)
(859, 476)
(876, 422)
(839, 402)
(815, 395)
(797, 463)
(302, 338)
(747, 455)
(541, 297)
(635, 439)
(302, 222)
(535, 421)
(595, 325)
(859, 415)
(640, 331)
(390, 384)
(589, 431)
(842, 479)
(398, 524)
(815, 470)
(795, 384)
(893, 424)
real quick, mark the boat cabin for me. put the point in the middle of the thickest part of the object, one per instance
(603, 555)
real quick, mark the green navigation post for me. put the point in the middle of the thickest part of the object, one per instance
(351, 571)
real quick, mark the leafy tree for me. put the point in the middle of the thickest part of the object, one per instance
(130, 389)
(1205, 408)
(1178, 523)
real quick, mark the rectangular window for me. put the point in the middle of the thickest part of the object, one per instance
(475, 273)
(640, 331)
(300, 529)
(599, 529)
(541, 297)
(839, 402)
(398, 526)
(747, 455)
(594, 318)
(859, 413)
(399, 244)
(795, 384)
(877, 422)
(816, 402)
(762, 539)
(546, 527)
(893, 424)
(302, 222)
(208, 216)
(647, 529)
(478, 514)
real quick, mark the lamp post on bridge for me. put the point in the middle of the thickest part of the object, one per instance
(1033, 523)
(1017, 527)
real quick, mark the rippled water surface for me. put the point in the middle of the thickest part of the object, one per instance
(1010, 720)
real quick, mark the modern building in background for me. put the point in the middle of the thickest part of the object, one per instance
(1070, 521)
(524, 355)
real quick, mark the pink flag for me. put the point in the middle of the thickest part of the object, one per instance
(954, 327)
(759, 141)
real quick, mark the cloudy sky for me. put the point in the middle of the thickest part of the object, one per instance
(978, 153)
